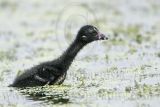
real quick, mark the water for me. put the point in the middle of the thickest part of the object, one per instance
(123, 71)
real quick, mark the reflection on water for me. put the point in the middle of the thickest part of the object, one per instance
(56, 96)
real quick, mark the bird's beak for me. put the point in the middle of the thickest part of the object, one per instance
(101, 36)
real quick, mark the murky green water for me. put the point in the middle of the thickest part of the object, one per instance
(123, 71)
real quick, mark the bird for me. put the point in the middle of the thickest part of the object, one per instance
(54, 72)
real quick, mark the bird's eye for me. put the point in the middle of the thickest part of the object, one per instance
(94, 31)
(90, 30)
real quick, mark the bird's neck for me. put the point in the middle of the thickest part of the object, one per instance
(68, 56)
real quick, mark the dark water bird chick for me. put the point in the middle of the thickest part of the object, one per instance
(54, 72)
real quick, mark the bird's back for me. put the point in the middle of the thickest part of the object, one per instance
(39, 75)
